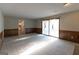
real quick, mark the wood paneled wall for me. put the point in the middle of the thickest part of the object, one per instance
(1, 39)
(29, 30)
(10, 32)
(33, 30)
(69, 35)
(14, 32)
(1, 35)
(38, 30)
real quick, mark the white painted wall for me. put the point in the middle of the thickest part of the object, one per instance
(11, 22)
(39, 24)
(30, 23)
(70, 21)
(1, 22)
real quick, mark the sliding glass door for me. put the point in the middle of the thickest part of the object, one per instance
(45, 25)
(54, 27)
(51, 27)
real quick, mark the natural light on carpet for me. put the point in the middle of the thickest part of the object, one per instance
(37, 46)
(23, 38)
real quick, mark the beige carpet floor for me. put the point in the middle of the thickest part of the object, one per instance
(38, 44)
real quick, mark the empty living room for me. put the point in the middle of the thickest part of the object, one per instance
(39, 28)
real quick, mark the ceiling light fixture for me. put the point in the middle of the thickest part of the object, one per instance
(67, 4)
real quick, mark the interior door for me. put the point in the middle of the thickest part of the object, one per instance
(45, 27)
(54, 27)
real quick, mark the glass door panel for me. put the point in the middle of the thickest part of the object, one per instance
(54, 28)
(51, 27)
(45, 28)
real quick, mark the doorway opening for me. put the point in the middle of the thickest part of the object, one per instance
(51, 27)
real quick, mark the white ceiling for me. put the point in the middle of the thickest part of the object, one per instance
(36, 10)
